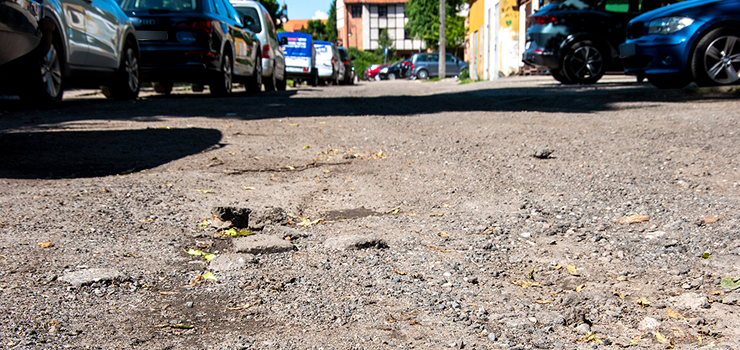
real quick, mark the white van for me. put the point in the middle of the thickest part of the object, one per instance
(328, 62)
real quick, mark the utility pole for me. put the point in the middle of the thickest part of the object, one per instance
(442, 40)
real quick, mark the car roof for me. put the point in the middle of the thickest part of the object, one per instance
(322, 42)
(294, 35)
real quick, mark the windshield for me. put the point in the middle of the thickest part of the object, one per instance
(323, 51)
(161, 5)
(343, 54)
(254, 24)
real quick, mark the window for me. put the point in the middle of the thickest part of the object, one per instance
(254, 23)
(450, 59)
(356, 11)
(406, 34)
(382, 11)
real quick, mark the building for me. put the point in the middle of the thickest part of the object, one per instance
(359, 23)
(295, 25)
(496, 36)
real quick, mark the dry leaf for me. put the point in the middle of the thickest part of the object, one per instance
(643, 302)
(543, 301)
(248, 188)
(633, 219)
(624, 279)
(305, 222)
(661, 338)
(636, 339)
(239, 307)
(620, 295)
(45, 244)
(525, 284)
(232, 153)
(558, 267)
(444, 234)
(438, 249)
(710, 219)
(327, 170)
(580, 288)
(673, 314)
(716, 292)
(399, 272)
(433, 215)
(572, 270)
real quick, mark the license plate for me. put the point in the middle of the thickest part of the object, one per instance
(294, 69)
(156, 35)
(627, 50)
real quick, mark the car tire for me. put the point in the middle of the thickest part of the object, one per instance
(125, 84)
(196, 87)
(46, 85)
(391, 76)
(422, 74)
(583, 62)
(711, 63)
(314, 77)
(162, 87)
(282, 84)
(222, 85)
(271, 82)
(669, 81)
(253, 84)
(559, 76)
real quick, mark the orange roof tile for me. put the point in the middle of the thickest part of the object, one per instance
(297, 24)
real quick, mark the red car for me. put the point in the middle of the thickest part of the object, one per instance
(371, 72)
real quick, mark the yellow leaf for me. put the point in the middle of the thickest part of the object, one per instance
(232, 153)
(633, 219)
(444, 234)
(248, 188)
(661, 338)
(643, 302)
(558, 267)
(305, 222)
(525, 284)
(399, 272)
(306, 147)
(433, 215)
(395, 211)
(411, 214)
(293, 124)
(624, 279)
(445, 206)
(620, 295)
(45, 244)
(636, 339)
(543, 301)
(572, 270)
(673, 314)
(580, 288)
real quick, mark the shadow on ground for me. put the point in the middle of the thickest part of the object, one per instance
(72, 154)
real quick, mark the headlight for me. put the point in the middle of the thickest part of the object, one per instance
(668, 25)
(384, 70)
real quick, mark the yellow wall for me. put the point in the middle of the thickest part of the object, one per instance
(476, 18)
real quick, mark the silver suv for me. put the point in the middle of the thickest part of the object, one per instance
(256, 19)
(425, 65)
(93, 45)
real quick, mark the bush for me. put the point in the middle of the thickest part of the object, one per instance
(464, 74)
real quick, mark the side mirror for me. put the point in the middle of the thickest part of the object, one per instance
(283, 41)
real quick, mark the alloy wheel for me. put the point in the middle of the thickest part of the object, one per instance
(51, 72)
(586, 62)
(722, 60)
(132, 69)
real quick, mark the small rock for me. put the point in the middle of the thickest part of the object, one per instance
(543, 153)
(648, 323)
(689, 301)
(550, 318)
(492, 336)
(228, 262)
(90, 276)
(732, 299)
(259, 218)
(525, 234)
(261, 244)
(355, 242)
(189, 304)
(583, 328)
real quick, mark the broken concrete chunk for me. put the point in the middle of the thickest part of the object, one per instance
(226, 262)
(262, 244)
(283, 231)
(355, 242)
(90, 276)
(649, 323)
(259, 218)
(239, 217)
(689, 301)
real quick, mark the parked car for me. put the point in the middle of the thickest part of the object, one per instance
(87, 44)
(406, 67)
(349, 67)
(196, 41)
(328, 62)
(372, 71)
(257, 19)
(578, 40)
(690, 41)
(391, 72)
(300, 57)
(426, 65)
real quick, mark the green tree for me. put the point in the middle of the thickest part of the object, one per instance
(317, 29)
(423, 22)
(331, 23)
(384, 40)
(273, 8)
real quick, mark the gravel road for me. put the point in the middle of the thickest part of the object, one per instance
(514, 214)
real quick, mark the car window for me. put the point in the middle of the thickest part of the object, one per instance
(170, 5)
(433, 58)
(218, 8)
(450, 59)
(343, 54)
(269, 25)
(323, 51)
(254, 25)
(231, 12)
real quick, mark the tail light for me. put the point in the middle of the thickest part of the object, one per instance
(346, 63)
(543, 19)
(412, 66)
(333, 61)
(266, 51)
(204, 25)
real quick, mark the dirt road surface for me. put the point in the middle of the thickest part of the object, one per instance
(514, 214)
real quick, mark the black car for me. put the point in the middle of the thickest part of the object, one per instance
(391, 72)
(349, 67)
(578, 40)
(198, 41)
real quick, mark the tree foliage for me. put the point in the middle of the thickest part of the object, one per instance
(317, 29)
(273, 8)
(331, 23)
(423, 22)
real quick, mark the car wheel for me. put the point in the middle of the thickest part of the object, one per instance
(253, 84)
(271, 82)
(162, 87)
(422, 74)
(196, 87)
(314, 77)
(716, 59)
(391, 76)
(223, 84)
(46, 85)
(559, 76)
(282, 84)
(125, 85)
(669, 81)
(583, 63)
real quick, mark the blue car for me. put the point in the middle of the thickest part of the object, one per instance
(695, 40)
(300, 57)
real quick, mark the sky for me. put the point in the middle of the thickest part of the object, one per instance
(307, 9)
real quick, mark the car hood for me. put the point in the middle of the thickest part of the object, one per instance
(690, 8)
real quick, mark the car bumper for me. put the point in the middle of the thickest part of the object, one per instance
(656, 54)
(182, 64)
(541, 59)
(268, 67)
